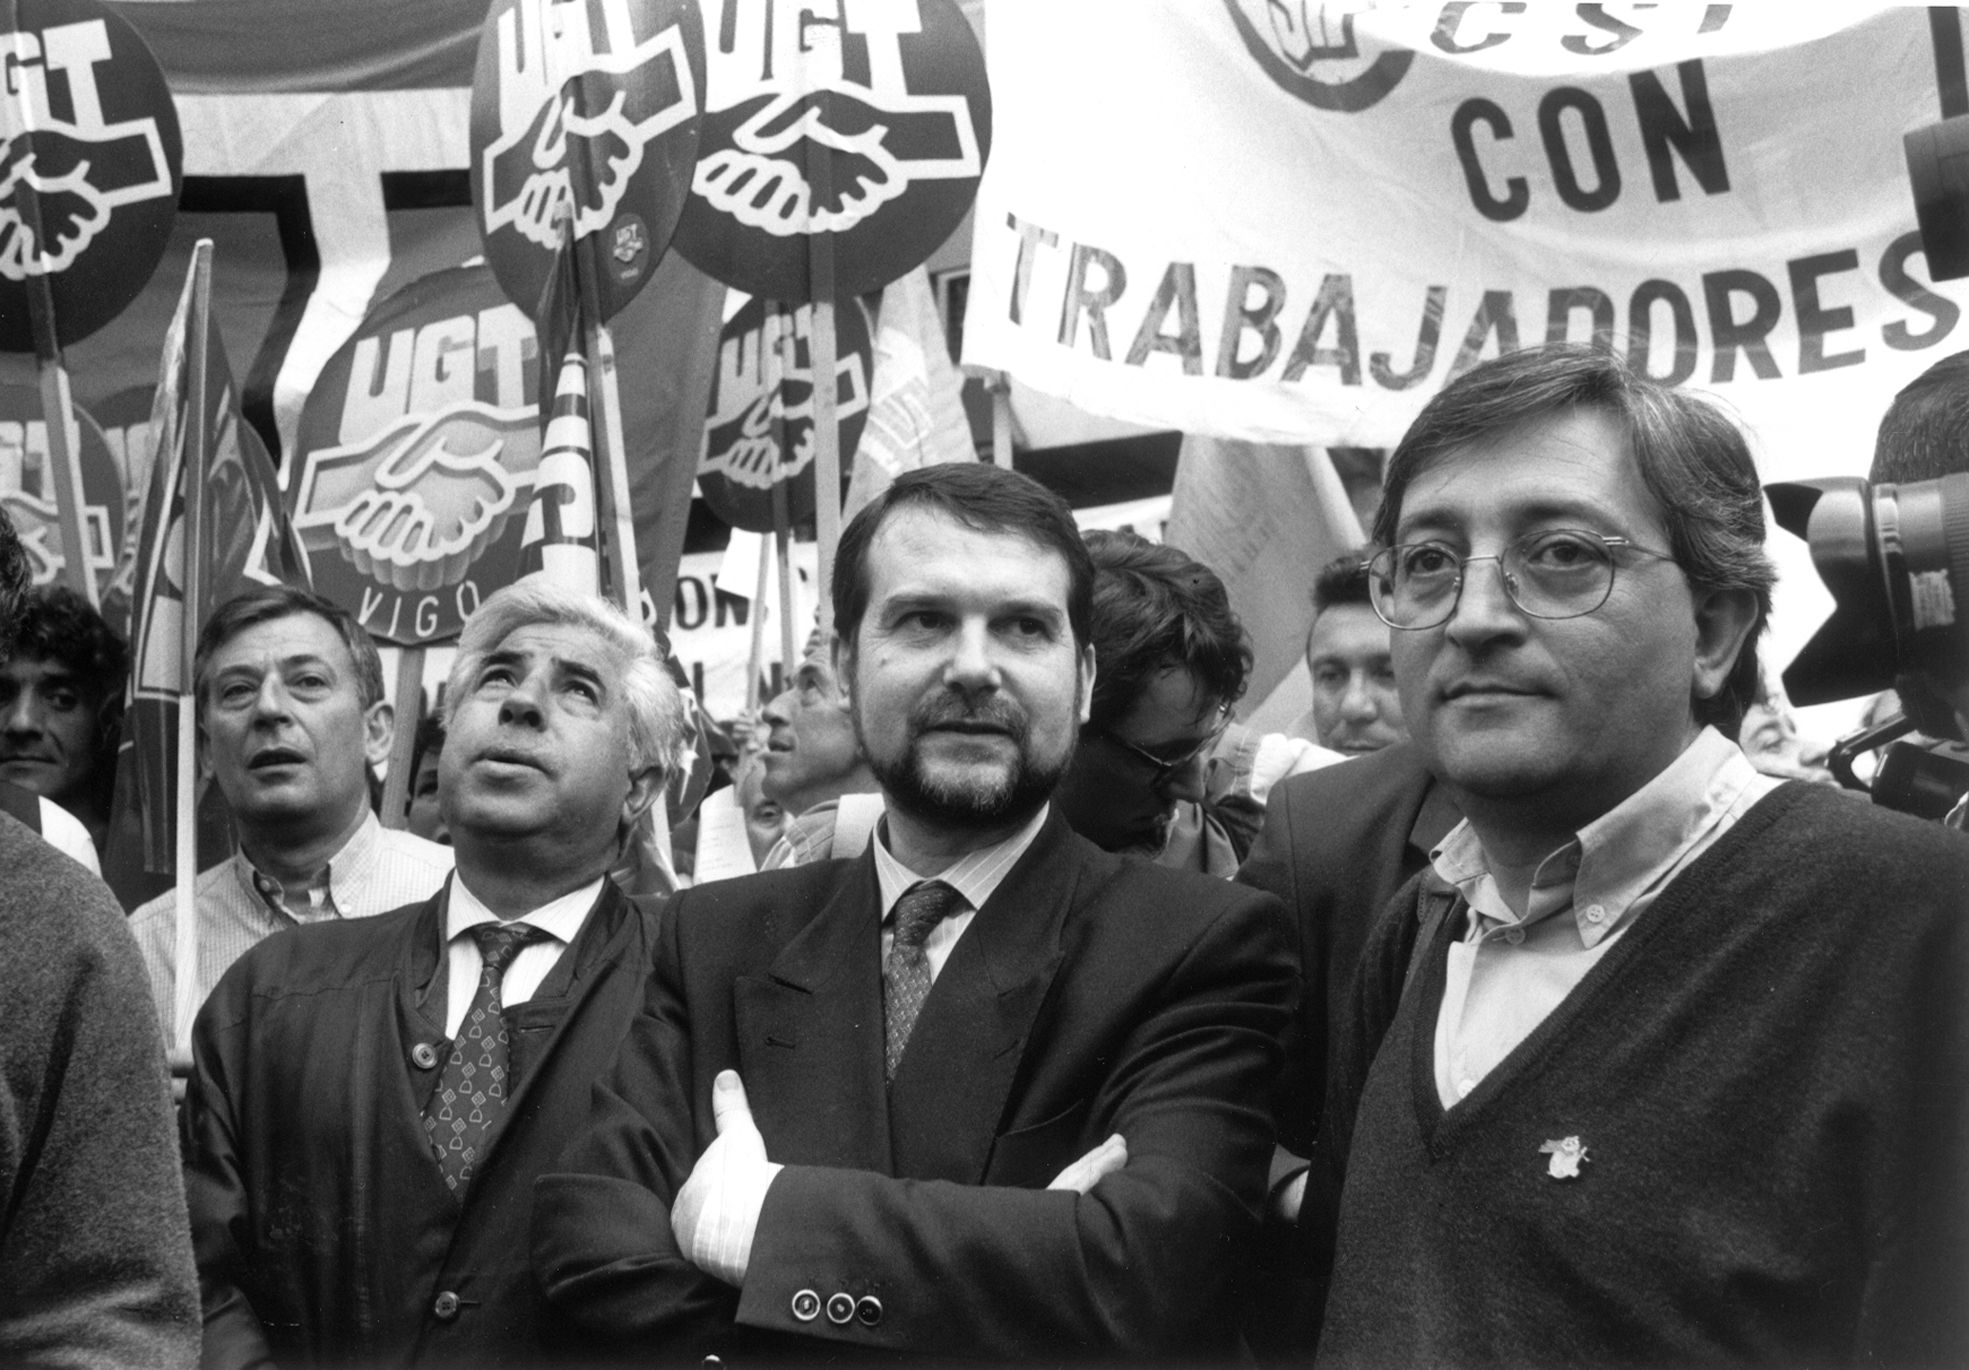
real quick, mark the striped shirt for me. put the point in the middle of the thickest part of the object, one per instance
(377, 869)
(974, 876)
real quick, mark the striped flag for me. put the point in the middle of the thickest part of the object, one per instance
(561, 524)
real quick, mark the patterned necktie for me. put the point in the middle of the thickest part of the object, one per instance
(906, 972)
(471, 1094)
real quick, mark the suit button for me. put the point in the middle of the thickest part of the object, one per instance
(806, 1305)
(869, 1310)
(445, 1306)
(841, 1310)
(424, 1055)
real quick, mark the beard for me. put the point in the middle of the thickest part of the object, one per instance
(978, 797)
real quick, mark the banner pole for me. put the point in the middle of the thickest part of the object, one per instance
(192, 583)
(755, 661)
(612, 481)
(1000, 386)
(61, 482)
(821, 350)
(778, 362)
(409, 710)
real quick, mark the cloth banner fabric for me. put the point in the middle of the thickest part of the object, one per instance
(1282, 222)
(247, 542)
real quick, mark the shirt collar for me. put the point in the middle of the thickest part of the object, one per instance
(1619, 856)
(974, 876)
(347, 869)
(560, 918)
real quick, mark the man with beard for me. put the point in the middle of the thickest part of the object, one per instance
(984, 1090)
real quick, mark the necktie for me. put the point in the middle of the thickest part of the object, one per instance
(471, 1093)
(906, 972)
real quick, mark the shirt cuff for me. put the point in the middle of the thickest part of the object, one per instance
(722, 1244)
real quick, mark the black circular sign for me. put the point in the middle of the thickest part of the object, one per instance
(91, 162)
(897, 115)
(759, 431)
(415, 458)
(591, 109)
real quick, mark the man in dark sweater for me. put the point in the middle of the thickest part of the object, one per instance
(1669, 1064)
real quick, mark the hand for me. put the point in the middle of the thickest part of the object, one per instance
(717, 1210)
(1102, 1161)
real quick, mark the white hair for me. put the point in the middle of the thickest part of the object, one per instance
(658, 735)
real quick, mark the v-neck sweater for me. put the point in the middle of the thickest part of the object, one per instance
(1769, 1076)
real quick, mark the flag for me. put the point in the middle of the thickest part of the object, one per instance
(916, 406)
(562, 523)
(248, 543)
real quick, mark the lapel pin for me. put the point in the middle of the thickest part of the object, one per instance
(1568, 1155)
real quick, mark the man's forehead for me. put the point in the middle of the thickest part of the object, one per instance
(571, 644)
(293, 636)
(27, 670)
(922, 551)
(1578, 464)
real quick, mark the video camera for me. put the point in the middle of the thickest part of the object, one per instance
(1896, 559)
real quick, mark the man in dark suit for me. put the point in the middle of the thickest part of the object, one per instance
(1039, 1131)
(372, 1100)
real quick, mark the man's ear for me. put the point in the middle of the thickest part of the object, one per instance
(842, 654)
(644, 786)
(1724, 620)
(1086, 683)
(202, 752)
(379, 731)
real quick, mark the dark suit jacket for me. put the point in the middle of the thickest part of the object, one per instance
(1092, 994)
(1336, 845)
(323, 1228)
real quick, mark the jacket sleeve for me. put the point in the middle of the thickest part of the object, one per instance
(1142, 1265)
(603, 1251)
(95, 1267)
(215, 1189)
(1271, 867)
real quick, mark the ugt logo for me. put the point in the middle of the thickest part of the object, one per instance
(778, 60)
(1310, 51)
(55, 141)
(578, 110)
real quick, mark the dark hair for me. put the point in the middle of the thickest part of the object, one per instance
(14, 579)
(986, 498)
(1692, 459)
(1154, 607)
(53, 623)
(1925, 432)
(1343, 580)
(242, 611)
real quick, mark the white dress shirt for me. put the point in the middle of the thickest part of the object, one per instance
(560, 920)
(974, 876)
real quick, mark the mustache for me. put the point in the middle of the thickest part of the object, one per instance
(951, 709)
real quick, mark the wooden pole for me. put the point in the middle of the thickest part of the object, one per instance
(755, 662)
(192, 582)
(409, 709)
(778, 362)
(1000, 386)
(821, 350)
(61, 481)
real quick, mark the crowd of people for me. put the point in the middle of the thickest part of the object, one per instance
(1526, 1002)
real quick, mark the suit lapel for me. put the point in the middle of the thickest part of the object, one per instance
(810, 1033)
(420, 996)
(950, 1092)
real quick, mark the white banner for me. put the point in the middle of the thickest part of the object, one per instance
(1272, 220)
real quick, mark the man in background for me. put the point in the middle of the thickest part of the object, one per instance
(291, 716)
(813, 766)
(1355, 707)
(422, 814)
(95, 1263)
(61, 696)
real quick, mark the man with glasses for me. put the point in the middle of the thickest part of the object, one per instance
(1665, 1060)
(1173, 660)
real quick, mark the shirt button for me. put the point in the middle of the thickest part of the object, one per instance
(445, 1306)
(806, 1305)
(423, 1056)
(1595, 914)
(869, 1310)
(840, 1309)
(1514, 935)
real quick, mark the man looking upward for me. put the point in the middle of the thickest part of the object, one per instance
(372, 1101)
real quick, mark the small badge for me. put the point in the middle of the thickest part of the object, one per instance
(1567, 1157)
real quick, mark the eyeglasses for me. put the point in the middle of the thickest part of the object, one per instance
(1162, 768)
(1552, 573)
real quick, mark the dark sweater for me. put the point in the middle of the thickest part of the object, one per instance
(1770, 1075)
(95, 1252)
